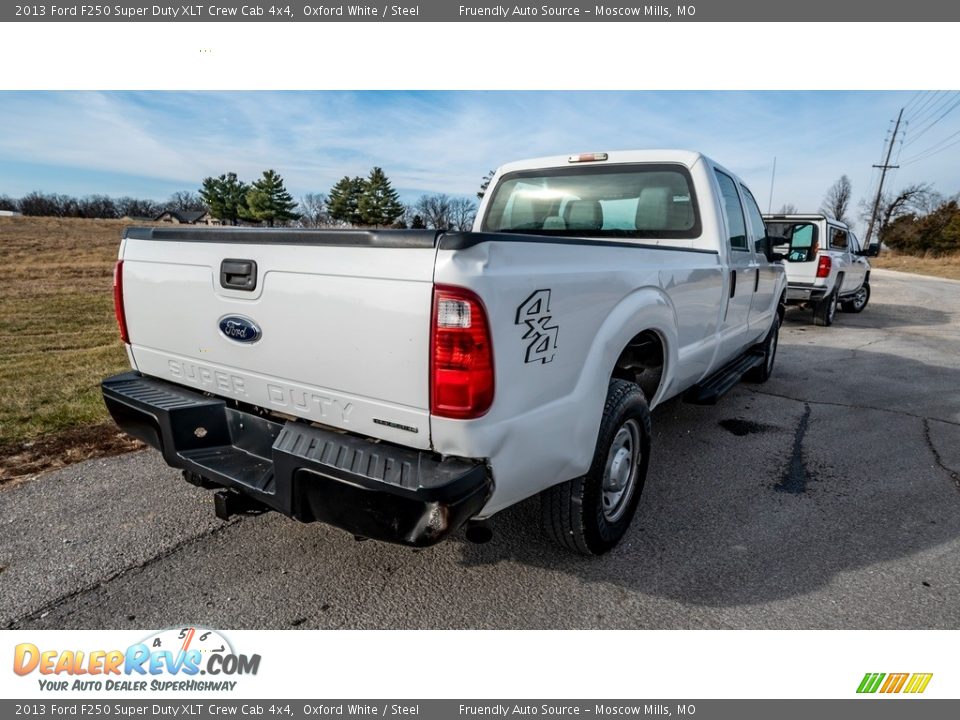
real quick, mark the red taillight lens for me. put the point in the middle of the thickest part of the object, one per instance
(823, 266)
(461, 364)
(118, 301)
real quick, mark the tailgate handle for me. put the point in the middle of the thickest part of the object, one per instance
(238, 274)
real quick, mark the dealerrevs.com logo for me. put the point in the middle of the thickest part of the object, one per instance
(173, 659)
(910, 683)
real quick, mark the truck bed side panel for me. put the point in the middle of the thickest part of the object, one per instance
(560, 314)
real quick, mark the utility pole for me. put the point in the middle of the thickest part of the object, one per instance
(883, 174)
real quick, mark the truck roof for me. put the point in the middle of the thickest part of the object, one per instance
(689, 158)
(803, 216)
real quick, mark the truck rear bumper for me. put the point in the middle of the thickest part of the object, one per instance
(804, 292)
(368, 488)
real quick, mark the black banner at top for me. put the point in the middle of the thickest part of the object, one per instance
(489, 11)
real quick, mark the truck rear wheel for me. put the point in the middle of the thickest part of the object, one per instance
(826, 310)
(590, 514)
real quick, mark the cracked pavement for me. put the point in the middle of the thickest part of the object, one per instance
(827, 498)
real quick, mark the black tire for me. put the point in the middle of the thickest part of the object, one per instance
(762, 373)
(858, 302)
(825, 311)
(574, 513)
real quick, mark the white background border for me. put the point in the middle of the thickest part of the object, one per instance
(593, 56)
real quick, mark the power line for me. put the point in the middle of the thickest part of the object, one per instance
(932, 124)
(913, 99)
(934, 149)
(937, 104)
(917, 110)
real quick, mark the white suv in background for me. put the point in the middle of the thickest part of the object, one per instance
(825, 264)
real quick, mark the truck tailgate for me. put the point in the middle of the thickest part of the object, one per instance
(343, 320)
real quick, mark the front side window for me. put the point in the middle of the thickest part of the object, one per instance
(617, 201)
(731, 202)
(753, 214)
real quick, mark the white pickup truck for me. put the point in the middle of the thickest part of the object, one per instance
(826, 267)
(401, 384)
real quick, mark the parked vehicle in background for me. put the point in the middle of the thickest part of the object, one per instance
(399, 384)
(826, 266)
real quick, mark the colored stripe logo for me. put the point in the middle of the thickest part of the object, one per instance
(913, 683)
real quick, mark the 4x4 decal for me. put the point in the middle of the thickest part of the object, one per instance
(534, 312)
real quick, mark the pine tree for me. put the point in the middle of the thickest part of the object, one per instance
(225, 196)
(418, 223)
(485, 183)
(378, 203)
(268, 200)
(343, 200)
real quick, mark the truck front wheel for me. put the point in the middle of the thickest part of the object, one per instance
(859, 301)
(590, 514)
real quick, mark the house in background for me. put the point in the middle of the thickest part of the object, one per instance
(187, 217)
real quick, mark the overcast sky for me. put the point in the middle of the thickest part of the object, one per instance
(150, 144)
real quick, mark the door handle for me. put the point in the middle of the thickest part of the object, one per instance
(733, 283)
(238, 274)
(756, 281)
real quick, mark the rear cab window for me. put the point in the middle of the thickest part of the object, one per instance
(643, 201)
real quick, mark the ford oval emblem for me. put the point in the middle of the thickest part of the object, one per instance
(239, 328)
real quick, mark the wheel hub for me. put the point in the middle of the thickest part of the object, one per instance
(620, 472)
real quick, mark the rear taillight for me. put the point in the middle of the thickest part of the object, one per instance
(823, 266)
(118, 301)
(461, 363)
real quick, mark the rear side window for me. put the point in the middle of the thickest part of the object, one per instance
(616, 201)
(731, 202)
(838, 239)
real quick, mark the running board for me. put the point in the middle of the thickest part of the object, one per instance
(721, 382)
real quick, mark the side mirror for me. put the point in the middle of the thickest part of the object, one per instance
(765, 245)
(872, 250)
(776, 257)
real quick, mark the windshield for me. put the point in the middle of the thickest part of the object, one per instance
(638, 201)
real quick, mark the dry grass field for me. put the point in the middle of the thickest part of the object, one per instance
(945, 267)
(58, 339)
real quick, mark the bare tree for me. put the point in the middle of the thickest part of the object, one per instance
(435, 211)
(787, 209)
(916, 199)
(836, 203)
(98, 206)
(462, 213)
(40, 204)
(313, 211)
(185, 200)
(137, 208)
(8, 203)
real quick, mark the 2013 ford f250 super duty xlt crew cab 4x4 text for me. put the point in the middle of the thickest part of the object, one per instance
(398, 384)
